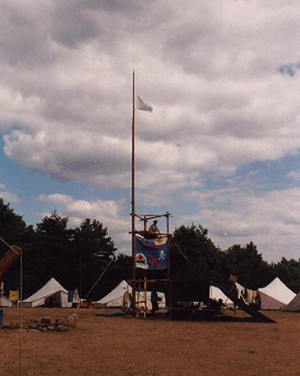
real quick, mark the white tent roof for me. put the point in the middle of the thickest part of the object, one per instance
(4, 302)
(276, 290)
(215, 293)
(115, 297)
(294, 304)
(50, 288)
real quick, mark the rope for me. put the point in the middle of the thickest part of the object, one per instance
(9, 246)
(99, 278)
(177, 246)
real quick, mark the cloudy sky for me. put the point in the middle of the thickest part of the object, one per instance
(221, 147)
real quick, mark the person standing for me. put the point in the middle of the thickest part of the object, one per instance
(154, 301)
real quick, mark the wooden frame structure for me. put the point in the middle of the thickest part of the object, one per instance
(142, 282)
(145, 218)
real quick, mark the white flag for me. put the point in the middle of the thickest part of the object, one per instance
(141, 105)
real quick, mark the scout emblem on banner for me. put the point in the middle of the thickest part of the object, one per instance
(150, 254)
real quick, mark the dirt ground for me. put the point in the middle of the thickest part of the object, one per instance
(127, 346)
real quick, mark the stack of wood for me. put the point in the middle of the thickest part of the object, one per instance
(11, 325)
(45, 324)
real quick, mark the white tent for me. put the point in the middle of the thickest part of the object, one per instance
(52, 294)
(115, 297)
(4, 302)
(215, 293)
(294, 304)
(275, 295)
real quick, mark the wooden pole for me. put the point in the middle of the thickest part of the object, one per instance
(7, 260)
(21, 316)
(145, 293)
(133, 195)
(170, 303)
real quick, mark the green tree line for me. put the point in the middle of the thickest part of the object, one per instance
(77, 257)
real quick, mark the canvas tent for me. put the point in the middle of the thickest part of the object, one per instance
(275, 295)
(215, 294)
(51, 294)
(294, 304)
(4, 302)
(115, 297)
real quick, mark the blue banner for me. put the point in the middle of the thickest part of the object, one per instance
(150, 254)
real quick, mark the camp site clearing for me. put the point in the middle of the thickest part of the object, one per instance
(122, 345)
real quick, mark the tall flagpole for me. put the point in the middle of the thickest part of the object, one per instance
(133, 195)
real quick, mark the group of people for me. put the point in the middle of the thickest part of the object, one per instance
(127, 301)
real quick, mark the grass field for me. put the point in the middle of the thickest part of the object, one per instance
(128, 346)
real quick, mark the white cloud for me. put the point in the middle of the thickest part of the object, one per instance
(83, 98)
(238, 216)
(222, 77)
(106, 211)
(8, 196)
(294, 175)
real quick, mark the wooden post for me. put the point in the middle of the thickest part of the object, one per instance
(133, 196)
(145, 293)
(169, 264)
(21, 315)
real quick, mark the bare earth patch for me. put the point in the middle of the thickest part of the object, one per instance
(128, 346)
